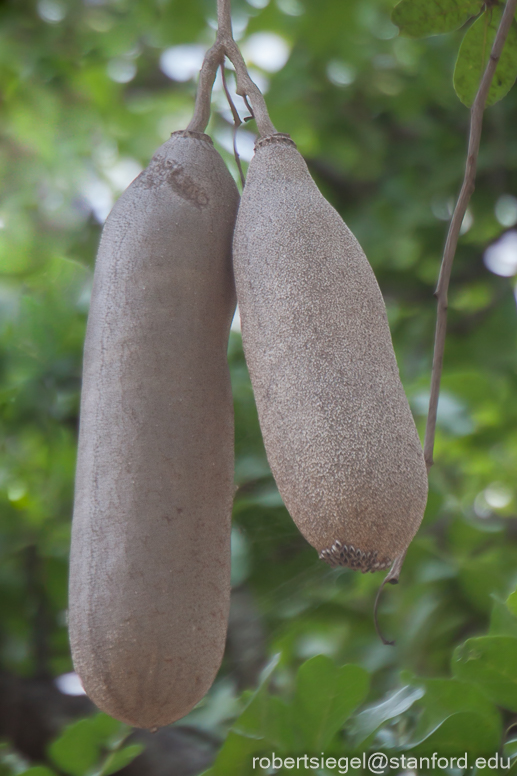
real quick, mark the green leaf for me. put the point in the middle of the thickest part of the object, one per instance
(325, 698)
(502, 620)
(465, 731)
(473, 58)
(267, 717)
(510, 747)
(108, 730)
(375, 715)
(235, 758)
(511, 602)
(38, 770)
(78, 748)
(456, 718)
(490, 662)
(118, 760)
(279, 730)
(254, 717)
(419, 18)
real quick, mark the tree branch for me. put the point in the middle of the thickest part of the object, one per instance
(476, 122)
(225, 45)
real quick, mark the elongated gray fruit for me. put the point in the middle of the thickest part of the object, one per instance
(337, 428)
(150, 557)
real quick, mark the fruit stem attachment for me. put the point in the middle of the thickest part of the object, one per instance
(392, 577)
(213, 58)
(476, 123)
(246, 88)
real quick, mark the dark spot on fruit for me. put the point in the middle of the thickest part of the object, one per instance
(168, 172)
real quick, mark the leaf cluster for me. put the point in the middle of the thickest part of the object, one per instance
(419, 18)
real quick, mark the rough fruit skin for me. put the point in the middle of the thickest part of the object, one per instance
(337, 428)
(150, 555)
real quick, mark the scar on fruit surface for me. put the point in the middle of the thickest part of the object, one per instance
(167, 171)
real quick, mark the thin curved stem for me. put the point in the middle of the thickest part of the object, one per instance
(476, 123)
(236, 124)
(392, 578)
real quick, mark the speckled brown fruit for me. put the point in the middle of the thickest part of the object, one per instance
(150, 557)
(338, 431)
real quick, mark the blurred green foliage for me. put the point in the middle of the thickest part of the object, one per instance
(84, 105)
(78, 750)
(89, 747)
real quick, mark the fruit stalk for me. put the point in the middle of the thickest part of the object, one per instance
(226, 46)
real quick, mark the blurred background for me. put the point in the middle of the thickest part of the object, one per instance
(88, 90)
